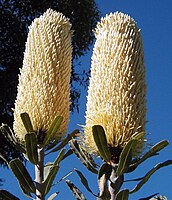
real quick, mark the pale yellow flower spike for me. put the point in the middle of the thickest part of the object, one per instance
(116, 94)
(44, 80)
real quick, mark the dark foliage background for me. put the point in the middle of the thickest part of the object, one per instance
(16, 16)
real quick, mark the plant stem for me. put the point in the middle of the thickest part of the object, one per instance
(113, 178)
(115, 182)
(39, 175)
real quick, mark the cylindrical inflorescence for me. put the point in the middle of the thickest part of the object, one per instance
(44, 80)
(117, 91)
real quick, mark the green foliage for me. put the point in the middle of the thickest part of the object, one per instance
(53, 129)
(5, 195)
(64, 142)
(25, 191)
(10, 137)
(50, 178)
(22, 175)
(31, 147)
(60, 157)
(125, 157)
(83, 155)
(149, 174)
(9, 146)
(101, 142)
(27, 122)
(76, 192)
(111, 175)
(51, 170)
(123, 195)
(84, 181)
(152, 152)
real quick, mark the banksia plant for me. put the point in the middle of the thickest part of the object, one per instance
(116, 110)
(44, 80)
(41, 111)
(115, 115)
(117, 92)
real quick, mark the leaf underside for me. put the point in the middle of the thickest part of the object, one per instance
(76, 192)
(83, 155)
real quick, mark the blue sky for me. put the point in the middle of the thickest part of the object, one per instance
(154, 19)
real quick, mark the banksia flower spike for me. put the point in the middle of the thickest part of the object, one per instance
(44, 80)
(117, 90)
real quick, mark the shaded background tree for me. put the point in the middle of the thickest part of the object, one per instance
(16, 16)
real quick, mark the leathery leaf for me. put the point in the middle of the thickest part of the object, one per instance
(83, 155)
(123, 195)
(101, 142)
(27, 122)
(50, 178)
(53, 129)
(22, 175)
(76, 192)
(125, 157)
(10, 137)
(149, 174)
(64, 142)
(84, 181)
(31, 147)
(152, 152)
(7, 195)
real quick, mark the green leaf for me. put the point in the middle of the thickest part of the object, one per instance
(22, 175)
(9, 135)
(68, 153)
(50, 178)
(83, 156)
(5, 195)
(53, 196)
(149, 174)
(125, 157)
(60, 157)
(123, 195)
(135, 179)
(27, 122)
(66, 140)
(76, 192)
(50, 172)
(84, 182)
(25, 192)
(31, 147)
(101, 142)
(53, 129)
(152, 152)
